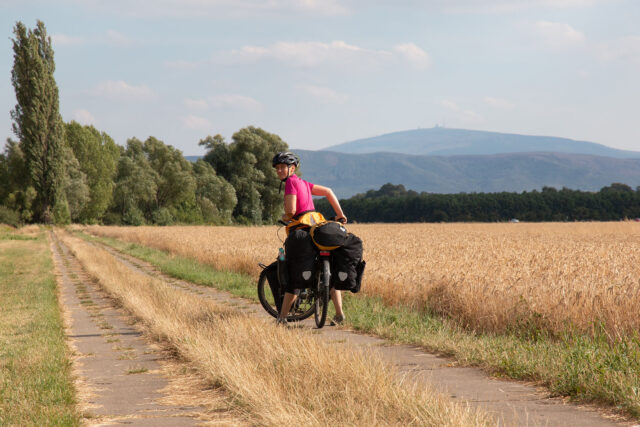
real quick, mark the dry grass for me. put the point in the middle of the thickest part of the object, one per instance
(551, 276)
(276, 375)
(29, 230)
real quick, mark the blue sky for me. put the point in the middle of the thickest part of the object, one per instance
(322, 72)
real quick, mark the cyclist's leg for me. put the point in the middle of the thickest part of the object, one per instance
(288, 301)
(336, 297)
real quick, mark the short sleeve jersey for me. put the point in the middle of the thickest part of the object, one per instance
(302, 190)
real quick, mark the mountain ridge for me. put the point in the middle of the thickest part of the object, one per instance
(443, 160)
(348, 174)
(441, 141)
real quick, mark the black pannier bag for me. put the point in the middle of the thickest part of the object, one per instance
(271, 272)
(300, 252)
(347, 265)
(329, 235)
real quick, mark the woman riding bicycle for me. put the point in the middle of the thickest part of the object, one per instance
(298, 199)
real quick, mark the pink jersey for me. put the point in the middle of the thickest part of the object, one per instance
(302, 190)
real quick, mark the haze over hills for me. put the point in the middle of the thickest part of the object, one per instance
(349, 174)
(440, 141)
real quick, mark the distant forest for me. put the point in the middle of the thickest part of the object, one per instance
(393, 203)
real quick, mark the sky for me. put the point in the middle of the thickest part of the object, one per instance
(322, 72)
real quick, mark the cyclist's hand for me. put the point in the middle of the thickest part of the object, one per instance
(342, 219)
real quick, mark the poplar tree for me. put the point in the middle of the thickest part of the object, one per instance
(37, 121)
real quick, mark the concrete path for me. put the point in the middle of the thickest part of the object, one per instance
(121, 377)
(511, 402)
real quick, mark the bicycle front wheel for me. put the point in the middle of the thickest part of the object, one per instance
(266, 296)
(322, 294)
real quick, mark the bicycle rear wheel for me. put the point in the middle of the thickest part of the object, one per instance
(322, 294)
(302, 308)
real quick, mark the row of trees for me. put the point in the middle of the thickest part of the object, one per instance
(98, 181)
(65, 172)
(393, 203)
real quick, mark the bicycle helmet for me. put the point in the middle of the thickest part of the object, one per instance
(286, 158)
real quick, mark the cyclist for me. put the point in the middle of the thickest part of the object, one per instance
(297, 199)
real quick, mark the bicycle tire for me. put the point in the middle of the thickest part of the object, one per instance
(322, 297)
(302, 309)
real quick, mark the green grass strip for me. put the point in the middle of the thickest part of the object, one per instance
(590, 369)
(35, 378)
(184, 268)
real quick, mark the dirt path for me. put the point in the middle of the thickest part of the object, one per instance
(511, 402)
(121, 377)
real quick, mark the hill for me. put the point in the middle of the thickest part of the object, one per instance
(440, 141)
(349, 174)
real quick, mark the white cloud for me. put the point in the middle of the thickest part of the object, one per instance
(315, 53)
(250, 53)
(413, 54)
(462, 114)
(450, 105)
(325, 94)
(196, 104)
(225, 102)
(235, 102)
(111, 38)
(84, 117)
(626, 48)
(499, 103)
(307, 54)
(558, 35)
(122, 89)
(64, 40)
(115, 38)
(321, 7)
(505, 6)
(197, 123)
(218, 9)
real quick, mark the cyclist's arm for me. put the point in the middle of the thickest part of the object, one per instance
(289, 207)
(319, 190)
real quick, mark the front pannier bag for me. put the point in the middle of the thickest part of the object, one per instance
(271, 272)
(347, 265)
(328, 235)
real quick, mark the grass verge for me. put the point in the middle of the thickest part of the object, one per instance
(588, 368)
(35, 378)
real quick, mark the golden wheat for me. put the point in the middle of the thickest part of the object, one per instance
(277, 376)
(486, 276)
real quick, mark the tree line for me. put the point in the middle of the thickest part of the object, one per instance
(393, 203)
(145, 182)
(57, 172)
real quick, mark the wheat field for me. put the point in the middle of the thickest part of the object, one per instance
(489, 277)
